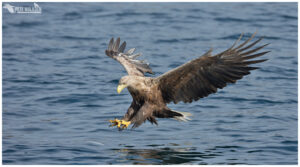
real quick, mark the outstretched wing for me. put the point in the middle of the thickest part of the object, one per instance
(204, 75)
(128, 59)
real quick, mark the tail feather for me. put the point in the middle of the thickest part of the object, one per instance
(177, 115)
(184, 116)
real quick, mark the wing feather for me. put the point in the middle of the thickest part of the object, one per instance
(205, 75)
(116, 44)
(122, 47)
(128, 59)
(130, 51)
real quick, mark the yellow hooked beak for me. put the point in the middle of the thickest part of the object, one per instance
(120, 88)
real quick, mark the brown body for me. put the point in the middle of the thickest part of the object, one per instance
(147, 102)
(187, 83)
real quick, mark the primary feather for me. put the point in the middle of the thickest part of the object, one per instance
(204, 75)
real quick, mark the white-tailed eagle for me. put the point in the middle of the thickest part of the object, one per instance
(187, 83)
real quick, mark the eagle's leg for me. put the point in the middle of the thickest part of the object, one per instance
(125, 121)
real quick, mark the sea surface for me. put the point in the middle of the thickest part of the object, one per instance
(59, 87)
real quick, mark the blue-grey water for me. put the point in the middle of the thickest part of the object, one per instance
(59, 88)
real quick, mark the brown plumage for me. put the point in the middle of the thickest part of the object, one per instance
(187, 83)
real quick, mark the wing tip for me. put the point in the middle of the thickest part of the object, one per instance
(114, 45)
(110, 44)
(114, 50)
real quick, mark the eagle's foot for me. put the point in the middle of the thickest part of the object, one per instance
(125, 124)
(121, 124)
(115, 122)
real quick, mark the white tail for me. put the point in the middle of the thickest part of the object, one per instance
(185, 116)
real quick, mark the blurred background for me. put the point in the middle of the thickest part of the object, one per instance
(59, 88)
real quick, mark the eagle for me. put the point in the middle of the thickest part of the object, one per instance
(187, 83)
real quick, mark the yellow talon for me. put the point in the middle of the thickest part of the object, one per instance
(120, 123)
(125, 123)
(115, 122)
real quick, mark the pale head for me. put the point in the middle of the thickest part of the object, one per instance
(128, 81)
